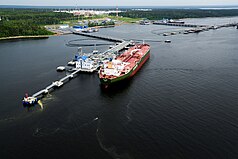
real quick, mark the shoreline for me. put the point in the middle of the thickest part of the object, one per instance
(25, 37)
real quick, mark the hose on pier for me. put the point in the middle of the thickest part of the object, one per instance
(75, 43)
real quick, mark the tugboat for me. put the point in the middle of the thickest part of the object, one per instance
(28, 101)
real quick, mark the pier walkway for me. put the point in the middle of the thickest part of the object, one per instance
(228, 25)
(53, 85)
(193, 28)
(118, 47)
(108, 38)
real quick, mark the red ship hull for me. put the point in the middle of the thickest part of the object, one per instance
(133, 61)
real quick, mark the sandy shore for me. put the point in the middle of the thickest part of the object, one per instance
(25, 37)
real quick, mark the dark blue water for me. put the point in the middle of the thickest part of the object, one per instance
(181, 104)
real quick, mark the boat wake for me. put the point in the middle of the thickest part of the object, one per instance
(67, 129)
(128, 112)
(18, 116)
(7, 119)
(48, 97)
(39, 132)
(110, 149)
(176, 69)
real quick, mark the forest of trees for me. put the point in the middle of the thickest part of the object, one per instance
(21, 22)
(21, 28)
(157, 14)
(38, 16)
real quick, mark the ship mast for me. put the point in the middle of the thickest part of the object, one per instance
(117, 10)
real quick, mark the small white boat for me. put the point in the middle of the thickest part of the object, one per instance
(111, 46)
(95, 29)
(60, 68)
(144, 22)
(95, 51)
(71, 63)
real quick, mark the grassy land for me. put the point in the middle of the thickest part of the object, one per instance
(102, 17)
(125, 19)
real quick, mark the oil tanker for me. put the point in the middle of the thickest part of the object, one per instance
(125, 65)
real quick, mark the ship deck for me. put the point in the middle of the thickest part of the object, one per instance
(132, 59)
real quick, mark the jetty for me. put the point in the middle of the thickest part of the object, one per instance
(227, 25)
(96, 59)
(55, 84)
(193, 28)
(180, 24)
(119, 47)
(121, 44)
(102, 37)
